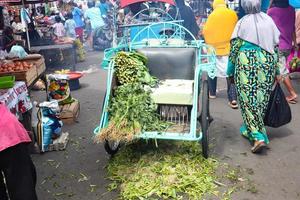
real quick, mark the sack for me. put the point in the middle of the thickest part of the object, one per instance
(293, 61)
(278, 112)
(49, 124)
(294, 3)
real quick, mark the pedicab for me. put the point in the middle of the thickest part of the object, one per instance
(171, 58)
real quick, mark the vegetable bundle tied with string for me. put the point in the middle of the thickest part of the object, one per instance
(131, 68)
(131, 108)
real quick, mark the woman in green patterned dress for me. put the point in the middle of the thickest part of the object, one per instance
(253, 66)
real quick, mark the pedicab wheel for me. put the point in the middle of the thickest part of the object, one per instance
(111, 147)
(205, 119)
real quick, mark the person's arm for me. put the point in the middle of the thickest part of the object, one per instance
(276, 60)
(295, 41)
(235, 45)
(85, 16)
(79, 11)
(207, 28)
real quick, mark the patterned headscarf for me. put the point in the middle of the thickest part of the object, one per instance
(251, 6)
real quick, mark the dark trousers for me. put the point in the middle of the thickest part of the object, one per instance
(19, 173)
(231, 90)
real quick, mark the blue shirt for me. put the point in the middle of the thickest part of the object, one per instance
(77, 14)
(265, 5)
(70, 26)
(94, 15)
(103, 8)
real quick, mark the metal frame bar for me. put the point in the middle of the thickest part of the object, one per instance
(208, 66)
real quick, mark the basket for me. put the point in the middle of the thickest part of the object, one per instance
(7, 82)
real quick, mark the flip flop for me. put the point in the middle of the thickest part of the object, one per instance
(212, 96)
(233, 104)
(259, 147)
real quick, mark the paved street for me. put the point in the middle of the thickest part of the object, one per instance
(79, 172)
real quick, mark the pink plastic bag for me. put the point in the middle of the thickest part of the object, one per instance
(293, 61)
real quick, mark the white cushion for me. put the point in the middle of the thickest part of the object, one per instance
(174, 91)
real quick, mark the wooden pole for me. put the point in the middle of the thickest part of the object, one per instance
(27, 33)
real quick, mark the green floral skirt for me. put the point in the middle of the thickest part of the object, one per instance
(254, 78)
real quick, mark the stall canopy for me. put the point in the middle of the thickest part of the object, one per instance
(125, 3)
(20, 2)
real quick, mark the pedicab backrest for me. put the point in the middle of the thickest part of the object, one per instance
(171, 63)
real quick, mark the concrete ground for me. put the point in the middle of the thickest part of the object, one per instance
(78, 173)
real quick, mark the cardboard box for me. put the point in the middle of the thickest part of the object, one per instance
(60, 143)
(70, 112)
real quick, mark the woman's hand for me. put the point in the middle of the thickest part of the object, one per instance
(278, 78)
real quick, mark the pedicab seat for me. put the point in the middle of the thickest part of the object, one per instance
(171, 63)
(175, 68)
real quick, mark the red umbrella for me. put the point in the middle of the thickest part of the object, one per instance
(125, 3)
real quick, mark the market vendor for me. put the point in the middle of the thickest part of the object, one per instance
(16, 165)
(9, 40)
(17, 26)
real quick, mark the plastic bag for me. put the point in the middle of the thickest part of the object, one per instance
(293, 61)
(278, 112)
(17, 51)
(49, 125)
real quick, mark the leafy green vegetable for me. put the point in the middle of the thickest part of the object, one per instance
(131, 109)
(176, 170)
(131, 68)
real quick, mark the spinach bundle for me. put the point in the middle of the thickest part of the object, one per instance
(131, 108)
(131, 68)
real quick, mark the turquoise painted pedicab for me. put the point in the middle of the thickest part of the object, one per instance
(187, 65)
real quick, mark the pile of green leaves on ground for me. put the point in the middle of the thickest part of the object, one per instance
(175, 170)
(131, 108)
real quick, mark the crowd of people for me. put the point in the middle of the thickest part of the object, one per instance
(74, 22)
(252, 54)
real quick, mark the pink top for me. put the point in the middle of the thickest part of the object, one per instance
(11, 130)
(59, 29)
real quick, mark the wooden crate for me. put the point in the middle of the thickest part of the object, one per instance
(36, 59)
(27, 76)
(70, 112)
(40, 66)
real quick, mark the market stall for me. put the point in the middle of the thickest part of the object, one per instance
(58, 55)
(28, 69)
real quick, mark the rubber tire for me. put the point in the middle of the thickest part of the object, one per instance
(205, 119)
(109, 149)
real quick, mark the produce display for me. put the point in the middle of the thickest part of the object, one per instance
(17, 66)
(59, 90)
(79, 50)
(131, 109)
(131, 68)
